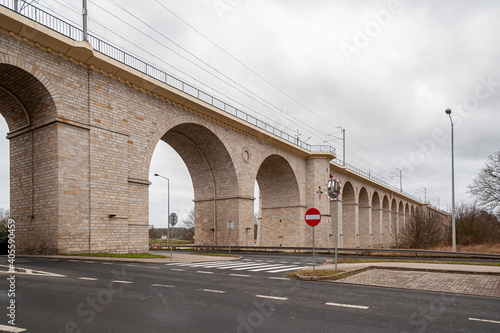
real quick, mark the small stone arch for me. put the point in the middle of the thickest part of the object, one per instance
(386, 221)
(376, 220)
(364, 230)
(349, 215)
(394, 227)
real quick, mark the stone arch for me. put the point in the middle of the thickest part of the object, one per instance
(376, 220)
(394, 227)
(364, 219)
(280, 203)
(154, 137)
(349, 215)
(27, 102)
(215, 183)
(401, 220)
(407, 214)
(386, 221)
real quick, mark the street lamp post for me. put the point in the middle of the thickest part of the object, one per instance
(453, 229)
(168, 212)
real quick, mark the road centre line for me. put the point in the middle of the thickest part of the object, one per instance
(177, 269)
(121, 281)
(348, 306)
(214, 291)
(107, 263)
(87, 278)
(204, 272)
(162, 285)
(485, 320)
(273, 297)
(278, 278)
(11, 329)
(241, 275)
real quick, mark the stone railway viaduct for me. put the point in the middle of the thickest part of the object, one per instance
(83, 128)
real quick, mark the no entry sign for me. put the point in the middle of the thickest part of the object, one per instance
(312, 217)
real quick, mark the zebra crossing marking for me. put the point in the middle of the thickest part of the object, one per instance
(250, 266)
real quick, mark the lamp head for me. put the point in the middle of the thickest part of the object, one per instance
(448, 111)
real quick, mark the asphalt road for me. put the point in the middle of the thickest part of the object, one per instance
(245, 297)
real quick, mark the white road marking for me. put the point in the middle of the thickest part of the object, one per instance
(75, 260)
(162, 285)
(214, 291)
(285, 268)
(485, 320)
(348, 305)
(266, 267)
(273, 297)
(107, 263)
(87, 278)
(11, 329)
(270, 261)
(151, 267)
(177, 269)
(278, 278)
(296, 263)
(248, 267)
(89, 262)
(27, 271)
(204, 272)
(241, 275)
(120, 281)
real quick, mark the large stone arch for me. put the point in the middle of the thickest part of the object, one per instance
(349, 215)
(280, 208)
(386, 221)
(376, 220)
(215, 183)
(364, 231)
(29, 105)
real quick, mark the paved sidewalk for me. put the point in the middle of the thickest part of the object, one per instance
(176, 257)
(449, 278)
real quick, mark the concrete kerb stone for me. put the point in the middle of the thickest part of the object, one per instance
(176, 258)
(336, 276)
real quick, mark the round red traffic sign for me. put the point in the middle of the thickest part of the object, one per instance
(312, 217)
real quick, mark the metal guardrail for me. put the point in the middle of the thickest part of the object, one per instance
(415, 252)
(40, 16)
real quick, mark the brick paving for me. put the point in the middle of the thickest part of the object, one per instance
(459, 282)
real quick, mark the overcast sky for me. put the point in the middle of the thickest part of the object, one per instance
(385, 71)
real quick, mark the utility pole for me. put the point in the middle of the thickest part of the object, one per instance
(84, 12)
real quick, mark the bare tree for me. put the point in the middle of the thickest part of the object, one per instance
(4, 218)
(153, 233)
(423, 230)
(486, 185)
(476, 226)
(189, 221)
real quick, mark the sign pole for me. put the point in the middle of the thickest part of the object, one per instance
(336, 231)
(314, 256)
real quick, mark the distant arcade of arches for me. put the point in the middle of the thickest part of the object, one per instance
(371, 218)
